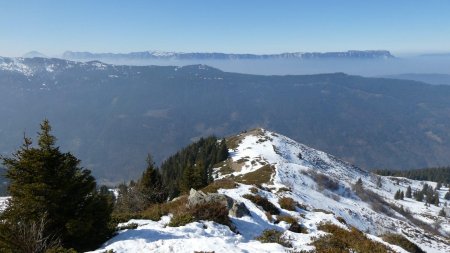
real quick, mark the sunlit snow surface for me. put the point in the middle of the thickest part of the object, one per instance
(292, 162)
(3, 203)
(27, 68)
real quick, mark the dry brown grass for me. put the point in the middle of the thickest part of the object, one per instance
(254, 190)
(183, 215)
(234, 141)
(262, 175)
(286, 218)
(265, 204)
(287, 203)
(153, 212)
(220, 184)
(224, 167)
(273, 236)
(341, 220)
(156, 211)
(341, 240)
(208, 211)
(401, 241)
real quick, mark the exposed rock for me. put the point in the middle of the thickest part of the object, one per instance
(235, 208)
(238, 210)
(297, 228)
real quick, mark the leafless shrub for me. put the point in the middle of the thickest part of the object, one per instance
(324, 182)
(30, 236)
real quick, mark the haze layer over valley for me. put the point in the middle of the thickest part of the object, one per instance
(355, 62)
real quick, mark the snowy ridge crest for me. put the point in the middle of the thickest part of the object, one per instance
(299, 173)
(296, 166)
(33, 66)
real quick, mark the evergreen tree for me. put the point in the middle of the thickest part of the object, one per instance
(438, 186)
(397, 195)
(408, 192)
(222, 154)
(358, 186)
(425, 188)
(137, 196)
(436, 198)
(428, 174)
(447, 196)
(379, 182)
(442, 213)
(418, 195)
(44, 182)
(187, 179)
(192, 167)
(151, 184)
(200, 175)
(429, 197)
(402, 195)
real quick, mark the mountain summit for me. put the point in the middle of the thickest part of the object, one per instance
(33, 54)
(303, 197)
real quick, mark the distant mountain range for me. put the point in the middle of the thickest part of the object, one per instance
(353, 54)
(111, 116)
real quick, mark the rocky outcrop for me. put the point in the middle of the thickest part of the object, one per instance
(235, 208)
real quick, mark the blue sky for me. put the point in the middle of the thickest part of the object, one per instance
(244, 26)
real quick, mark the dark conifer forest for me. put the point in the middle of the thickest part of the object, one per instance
(441, 174)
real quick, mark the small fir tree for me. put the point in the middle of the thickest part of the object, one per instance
(358, 187)
(408, 192)
(397, 195)
(419, 196)
(379, 182)
(151, 184)
(436, 198)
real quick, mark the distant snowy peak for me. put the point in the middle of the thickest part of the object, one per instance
(352, 54)
(34, 54)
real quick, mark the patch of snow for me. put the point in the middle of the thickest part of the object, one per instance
(151, 236)
(3, 203)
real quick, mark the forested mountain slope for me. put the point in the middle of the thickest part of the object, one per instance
(112, 116)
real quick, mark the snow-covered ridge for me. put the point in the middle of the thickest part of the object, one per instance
(293, 162)
(294, 166)
(34, 66)
(15, 65)
(38, 67)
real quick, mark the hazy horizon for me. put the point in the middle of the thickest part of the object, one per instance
(398, 54)
(377, 67)
(262, 27)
